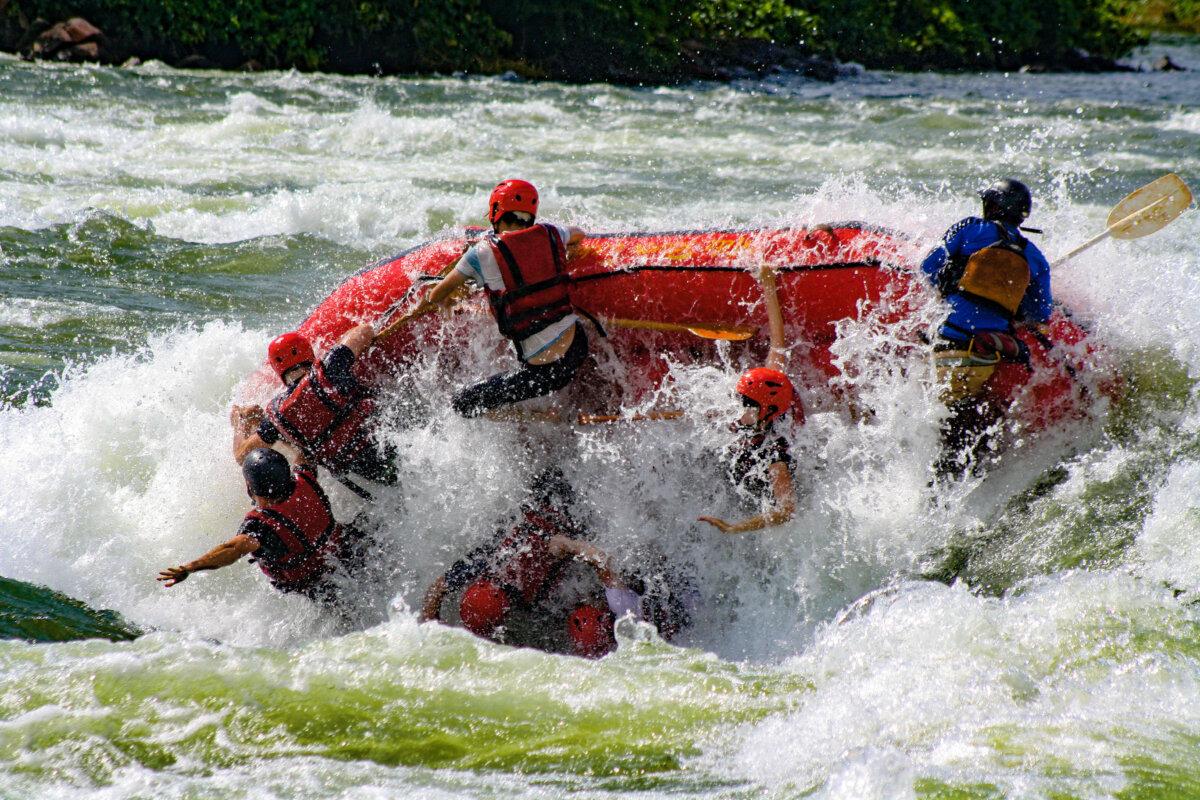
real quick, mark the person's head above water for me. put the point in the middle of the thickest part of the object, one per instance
(767, 394)
(290, 351)
(268, 474)
(483, 607)
(591, 630)
(1007, 200)
(512, 205)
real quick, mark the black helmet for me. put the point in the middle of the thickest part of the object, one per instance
(1007, 200)
(268, 474)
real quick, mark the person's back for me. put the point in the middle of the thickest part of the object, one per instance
(290, 532)
(520, 264)
(991, 275)
(324, 410)
(992, 279)
(299, 539)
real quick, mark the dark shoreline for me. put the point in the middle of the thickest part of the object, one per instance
(450, 45)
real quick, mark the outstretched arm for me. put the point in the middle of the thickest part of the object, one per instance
(220, 556)
(783, 492)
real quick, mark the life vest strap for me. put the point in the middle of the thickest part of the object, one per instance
(511, 260)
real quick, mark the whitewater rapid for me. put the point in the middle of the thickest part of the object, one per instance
(157, 228)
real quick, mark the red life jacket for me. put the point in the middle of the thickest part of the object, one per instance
(535, 293)
(326, 424)
(305, 526)
(524, 564)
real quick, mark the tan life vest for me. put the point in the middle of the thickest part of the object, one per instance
(998, 274)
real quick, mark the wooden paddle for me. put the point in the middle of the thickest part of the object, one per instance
(1145, 211)
(704, 331)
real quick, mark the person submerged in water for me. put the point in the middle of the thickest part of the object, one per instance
(325, 411)
(759, 462)
(290, 533)
(520, 265)
(519, 588)
(992, 278)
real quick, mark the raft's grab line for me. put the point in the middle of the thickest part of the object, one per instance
(467, 232)
(872, 263)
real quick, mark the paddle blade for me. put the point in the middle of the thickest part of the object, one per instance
(730, 335)
(703, 331)
(1150, 208)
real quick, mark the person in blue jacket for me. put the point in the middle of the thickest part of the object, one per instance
(993, 279)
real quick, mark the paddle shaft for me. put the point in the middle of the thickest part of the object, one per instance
(700, 329)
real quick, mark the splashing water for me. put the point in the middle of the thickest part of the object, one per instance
(157, 228)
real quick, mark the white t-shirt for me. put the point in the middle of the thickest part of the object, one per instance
(480, 267)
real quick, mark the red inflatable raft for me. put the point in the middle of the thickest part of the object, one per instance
(708, 280)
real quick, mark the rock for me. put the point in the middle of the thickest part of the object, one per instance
(194, 62)
(80, 30)
(1079, 60)
(35, 29)
(741, 59)
(132, 61)
(251, 66)
(87, 51)
(73, 40)
(821, 69)
(1165, 64)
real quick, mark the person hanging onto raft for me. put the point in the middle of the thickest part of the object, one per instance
(325, 411)
(520, 266)
(290, 532)
(758, 462)
(992, 278)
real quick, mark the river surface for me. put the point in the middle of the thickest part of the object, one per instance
(158, 227)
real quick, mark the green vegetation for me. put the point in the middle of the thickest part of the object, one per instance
(636, 40)
(1169, 15)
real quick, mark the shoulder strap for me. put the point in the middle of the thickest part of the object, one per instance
(508, 257)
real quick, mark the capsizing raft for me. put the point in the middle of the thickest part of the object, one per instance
(665, 296)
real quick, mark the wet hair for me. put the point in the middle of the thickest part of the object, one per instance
(520, 218)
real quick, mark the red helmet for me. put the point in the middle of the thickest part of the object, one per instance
(483, 607)
(289, 350)
(769, 388)
(591, 631)
(512, 195)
